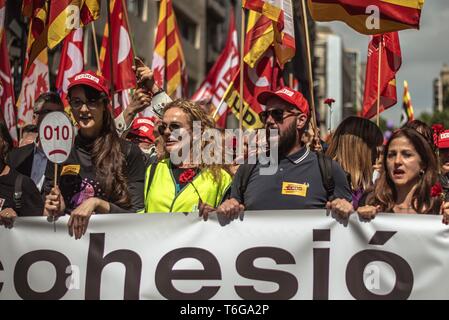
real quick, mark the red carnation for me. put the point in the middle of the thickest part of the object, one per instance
(329, 102)
(436, 190)
(187, 176)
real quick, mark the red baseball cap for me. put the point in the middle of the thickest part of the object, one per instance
(91, 79)
(290, 96)
(443, 142)
(143, 127)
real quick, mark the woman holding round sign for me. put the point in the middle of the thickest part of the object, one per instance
(103, 173)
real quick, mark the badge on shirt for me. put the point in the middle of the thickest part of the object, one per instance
(294, 189)
(72, 170)
(2, 202)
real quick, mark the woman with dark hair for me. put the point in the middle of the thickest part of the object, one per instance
(103, 174)
(422, 128)
(354, 146)
(409, 173)
(18, 193)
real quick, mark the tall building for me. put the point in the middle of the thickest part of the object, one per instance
(441, 90)
(338, 76)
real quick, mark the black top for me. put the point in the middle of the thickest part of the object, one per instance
(297, 184)
(77, 176)
(32, 204)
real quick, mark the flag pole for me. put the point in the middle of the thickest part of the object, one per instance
(231, 84)
(309, 63)
(97, 56)
(242, 48)
(111, 64)
(290, 80)
(378, 79)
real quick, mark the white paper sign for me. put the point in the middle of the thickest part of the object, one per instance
(56, 136)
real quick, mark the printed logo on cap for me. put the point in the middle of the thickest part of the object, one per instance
(287, 92)
(87, 76)
(445, 135)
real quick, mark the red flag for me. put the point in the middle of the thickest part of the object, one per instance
(390, 64)
(122, 55)
(72, 61)
(6, 85)
(220, 76)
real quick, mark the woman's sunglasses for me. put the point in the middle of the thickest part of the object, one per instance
(172, 127)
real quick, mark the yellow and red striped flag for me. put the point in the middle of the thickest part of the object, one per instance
(280, 12)
(407, 107)
(68, 15)
(168, 59)
(369, 16)
(50, 27)
(35, 79)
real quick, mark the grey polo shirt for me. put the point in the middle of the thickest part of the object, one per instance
(297, 184)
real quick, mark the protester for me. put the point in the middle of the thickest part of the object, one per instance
(182, 185)
(29, 135)
(30, 160)
(103, 174)
(142, 134)
(298, 181)
(354, 146)
(18, 194)
(408, 177)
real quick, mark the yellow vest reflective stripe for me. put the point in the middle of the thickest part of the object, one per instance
(161, 196)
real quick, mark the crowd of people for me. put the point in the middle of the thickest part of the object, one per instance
(125, 165)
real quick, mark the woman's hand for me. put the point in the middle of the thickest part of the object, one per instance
(341, 207)
(368, 212)
(445, 212)
(7, 217)
(79, 218)
(205, 210)
(145, 77)
(54, 203)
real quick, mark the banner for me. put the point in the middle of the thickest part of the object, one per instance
(266, 255)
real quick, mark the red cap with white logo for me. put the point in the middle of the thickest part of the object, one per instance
(443, 142)
(290, 96)
(91, 79)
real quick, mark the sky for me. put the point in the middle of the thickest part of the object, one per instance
(424, 52)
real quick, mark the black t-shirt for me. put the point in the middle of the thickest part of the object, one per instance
(32, 204)
(78, 182)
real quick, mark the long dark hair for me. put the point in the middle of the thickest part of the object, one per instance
(107, 155)
(6, 142)
(385, 193)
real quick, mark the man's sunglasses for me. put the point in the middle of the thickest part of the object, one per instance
(172, 127)
(276, 114)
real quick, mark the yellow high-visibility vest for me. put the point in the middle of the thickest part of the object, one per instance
(161, 195)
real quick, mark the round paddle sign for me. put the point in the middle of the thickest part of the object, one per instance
(56, 136)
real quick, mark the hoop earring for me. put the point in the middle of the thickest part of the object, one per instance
(421, 172)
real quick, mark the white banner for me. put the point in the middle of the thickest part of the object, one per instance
(268, 255)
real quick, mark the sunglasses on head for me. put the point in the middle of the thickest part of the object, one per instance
(172, 127)
(276, 114)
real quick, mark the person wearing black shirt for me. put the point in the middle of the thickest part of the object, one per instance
(103, 173)
(29, 202)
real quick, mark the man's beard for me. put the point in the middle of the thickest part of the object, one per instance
(287, 140)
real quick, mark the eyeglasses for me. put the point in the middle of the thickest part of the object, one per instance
(172, 127)
(276, 114)
(78, 104)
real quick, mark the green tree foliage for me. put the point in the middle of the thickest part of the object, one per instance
(436, 117)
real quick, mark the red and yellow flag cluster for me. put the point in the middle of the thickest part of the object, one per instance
(168, 60)
(407, 107)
